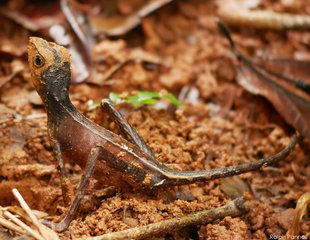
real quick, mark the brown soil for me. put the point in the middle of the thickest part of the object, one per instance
(223, 125)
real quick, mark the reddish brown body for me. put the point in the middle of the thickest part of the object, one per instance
(116, 152)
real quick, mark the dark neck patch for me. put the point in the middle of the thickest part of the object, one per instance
(56, 85)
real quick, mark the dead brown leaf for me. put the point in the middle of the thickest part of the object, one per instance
(300, 211)
(294, 108)
(119, 24)
(289, 96)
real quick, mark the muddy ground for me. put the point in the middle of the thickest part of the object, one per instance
(220, 124)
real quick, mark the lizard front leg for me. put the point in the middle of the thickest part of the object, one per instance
(66, 186)
(85, 179)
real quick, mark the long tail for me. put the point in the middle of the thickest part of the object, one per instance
(174, 177)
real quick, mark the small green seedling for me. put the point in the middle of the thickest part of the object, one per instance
(142, 98)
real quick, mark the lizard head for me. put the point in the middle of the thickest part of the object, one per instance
(49, 65)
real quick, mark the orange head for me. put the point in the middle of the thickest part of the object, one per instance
(49, 65)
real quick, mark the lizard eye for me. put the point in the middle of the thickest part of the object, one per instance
(38, 61)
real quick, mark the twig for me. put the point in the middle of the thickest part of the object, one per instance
(19, 19)
(40, 233)
(234, 208)
(264, 19)
(114, 69)
(81, 37)
(27, 209)
(135, 19)
(11, 226)
(33, 232)
(45, 232)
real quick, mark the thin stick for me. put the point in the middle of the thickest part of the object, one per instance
(19, 19)
(33, 232)
(27, 209)
(45, 232)
(234, 208)
(264, 19)
(114, 69)
(9, 225)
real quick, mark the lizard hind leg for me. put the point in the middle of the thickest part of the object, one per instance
(126, 129)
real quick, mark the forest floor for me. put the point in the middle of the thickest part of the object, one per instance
(220, 124)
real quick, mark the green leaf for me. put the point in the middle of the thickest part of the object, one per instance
(91, 105)
(114, 97)
(148, 101)
(173, 99)
(148, 95)
(133, 100)
(144, 97)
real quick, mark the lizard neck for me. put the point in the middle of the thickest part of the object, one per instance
(54, 89)
(58, 108)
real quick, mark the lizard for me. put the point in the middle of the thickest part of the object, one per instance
(114, 159)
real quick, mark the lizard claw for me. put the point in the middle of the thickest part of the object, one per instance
(58, 227)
